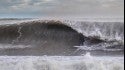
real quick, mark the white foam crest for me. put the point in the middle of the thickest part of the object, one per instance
(110, 31)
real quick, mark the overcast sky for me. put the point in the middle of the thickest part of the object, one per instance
(39, 8)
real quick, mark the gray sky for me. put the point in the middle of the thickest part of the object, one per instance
(39, 8)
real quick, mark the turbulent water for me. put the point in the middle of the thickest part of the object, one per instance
(28, 44)
(61, 63)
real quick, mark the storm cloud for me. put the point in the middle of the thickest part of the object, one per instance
(62, 7)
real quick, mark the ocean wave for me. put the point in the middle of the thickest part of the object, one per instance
(53, 37)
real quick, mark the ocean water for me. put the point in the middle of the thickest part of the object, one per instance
(86, 62)
(59, 44)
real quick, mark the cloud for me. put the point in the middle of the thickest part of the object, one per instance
(62, 7)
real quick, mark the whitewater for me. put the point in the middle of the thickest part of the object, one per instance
(61, 44)
(86, 62)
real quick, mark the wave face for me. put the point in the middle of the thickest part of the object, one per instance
(64, 37)
(51, 38)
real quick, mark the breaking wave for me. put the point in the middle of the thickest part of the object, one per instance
(64, 37)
